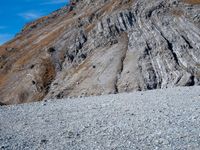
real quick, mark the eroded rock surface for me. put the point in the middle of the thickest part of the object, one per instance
(96, 47)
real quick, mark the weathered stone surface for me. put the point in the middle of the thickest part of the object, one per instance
(96, 47)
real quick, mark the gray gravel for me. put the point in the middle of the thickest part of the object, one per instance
(160, 119)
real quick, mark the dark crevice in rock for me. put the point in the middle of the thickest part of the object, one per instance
(91, 17)
(118, 75)
(51, 50)
(188, 43)
(102, 25)
(150, 12)
(121, 29)
(112, 28)
(116, 28)
(47, 86)
(70, 57)
(151, 82)
(131, 18)
(84, 56)
(147, 49)
(170, 47)
(178, 80)
(116, 87)
(60, 95)
(109, 26)
(191, 81)
(169, 44)
(124, 22)
(2, 104)
(79, 45)
(82, 39)
(33, 82)
(43, 141)
(32, 66)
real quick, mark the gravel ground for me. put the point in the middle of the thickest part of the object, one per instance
(160, 119)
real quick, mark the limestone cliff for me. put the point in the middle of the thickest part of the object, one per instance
(95, 47)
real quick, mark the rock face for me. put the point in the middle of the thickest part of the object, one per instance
(95, 47)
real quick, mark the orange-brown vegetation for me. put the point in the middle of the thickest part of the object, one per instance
(192, 1)
(177, 13)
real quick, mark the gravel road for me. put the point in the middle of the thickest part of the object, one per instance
(161, 119)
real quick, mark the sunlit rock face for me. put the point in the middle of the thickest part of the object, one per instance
(95, 47)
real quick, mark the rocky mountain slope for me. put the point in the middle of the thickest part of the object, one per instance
(95, 47)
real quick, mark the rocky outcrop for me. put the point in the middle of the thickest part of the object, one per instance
(96, 47)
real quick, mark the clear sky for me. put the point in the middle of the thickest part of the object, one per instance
(14, 14)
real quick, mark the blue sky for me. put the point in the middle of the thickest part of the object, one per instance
(16, 13)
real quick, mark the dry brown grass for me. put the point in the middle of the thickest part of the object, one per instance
(194, 2)
(3, 79)
(177, 13)
(89, 28)
(49, 73)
